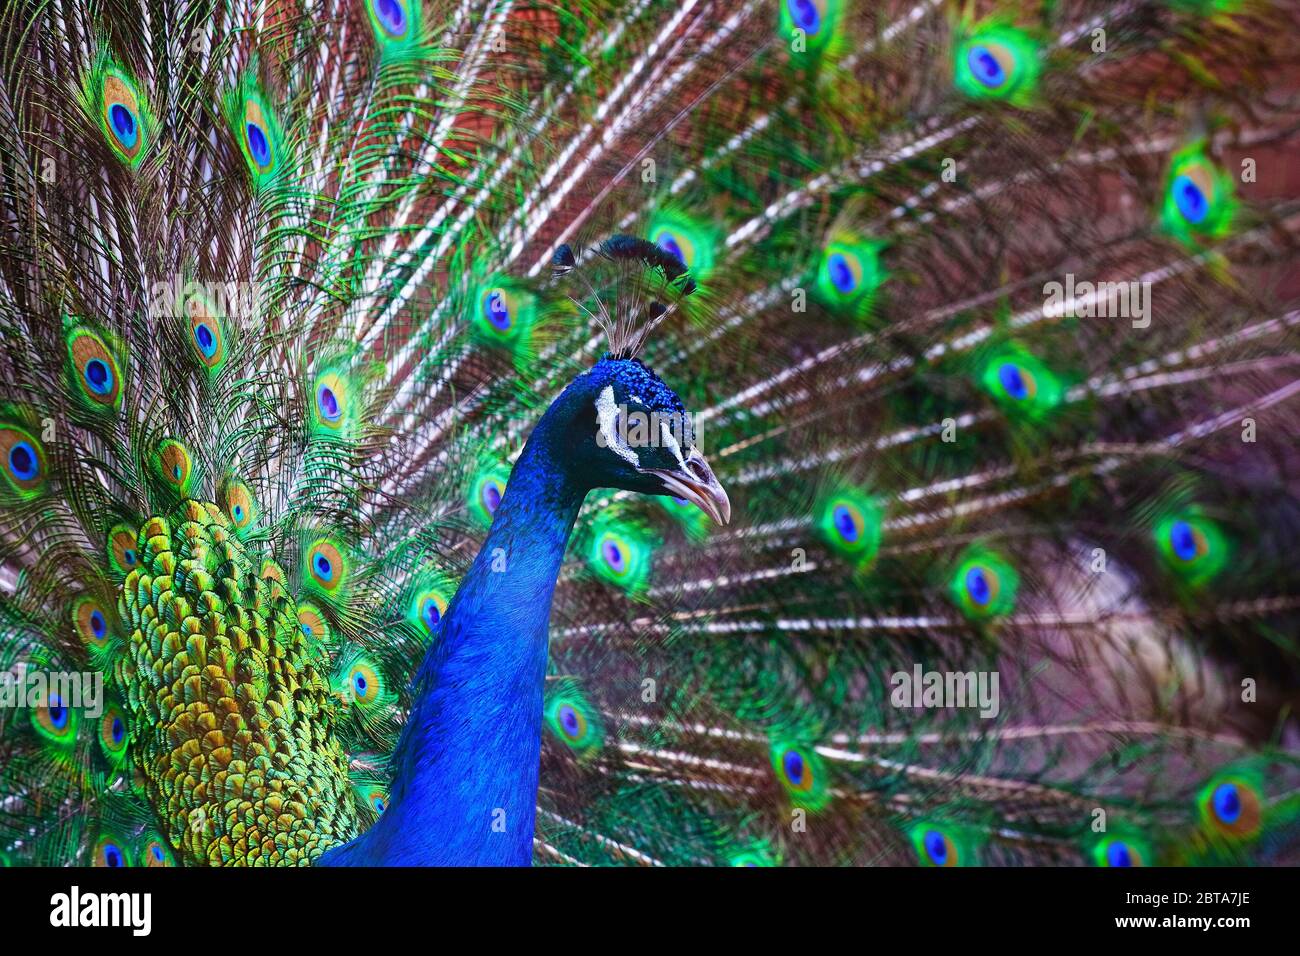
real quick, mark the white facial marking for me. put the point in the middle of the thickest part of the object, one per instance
(607, 417)
(669, 441)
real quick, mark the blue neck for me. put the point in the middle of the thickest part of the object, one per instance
(465, 787)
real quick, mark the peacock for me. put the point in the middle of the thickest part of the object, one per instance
(633, 432)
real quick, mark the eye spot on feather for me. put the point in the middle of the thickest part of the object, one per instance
(259, 147)
(1193, 546)
(613, 555)
(844, 272)
(122, 554)
(981, 585)
(329, 403)
(938, 849)
(1018, 383)
(497, 309)
(430, 606)
(364, 685)
(1119, 855)
(113, 737)
(1231, 807)
(806, 15)
(990, 64)
(95, 369)
(1187, 542)
(90, 621)
(491, 494)
(24, 461)
(984, 586)
(848, 522)
(390, 17)
(55, 721)
(311, 622)
(801, 774)
(175, 465)
(239, 504)
(122, 115)
(326, 565)
(570, 718)
(156, 854)
(109, 852)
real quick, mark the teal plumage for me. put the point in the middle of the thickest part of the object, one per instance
(284, 291)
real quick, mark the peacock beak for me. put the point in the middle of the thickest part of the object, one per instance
(695, 482)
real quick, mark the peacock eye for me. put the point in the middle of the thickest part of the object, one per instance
(55, 721)
(805, 15)
(1190, 199)
(850, 272)
(390, 15)
(203, 337)
(431, 613)
(206, 334)
(121, 549)
(570, 722)
(981, 584)
(842, 272)
(122, 122)
(113, 734)
(90, 621)
(937, 849)
(1198, 197)
(95, 369)
(614, 557)
(984, 585)
(98, 376)
(156, 854)
(1232, 808)
(1016, 382)
(258, 145)
(668, 243)
(496, 309)
(110, 854)
(24, 461)
(491, 496)
(989, 64)
(1118, 854)
(239, 503)
(326, 565)
(122, 117)
(1187, 543)
(174, 464)
(311, 622)
(364, 684)
(794, 767)
(1227, 803)
(328, 403)
(848, 522)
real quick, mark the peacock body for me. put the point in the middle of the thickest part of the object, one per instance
(347, 516)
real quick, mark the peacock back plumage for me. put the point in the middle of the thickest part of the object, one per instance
(990, 339)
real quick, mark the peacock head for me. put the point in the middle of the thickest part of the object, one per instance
(628, 430)
(624, 427)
